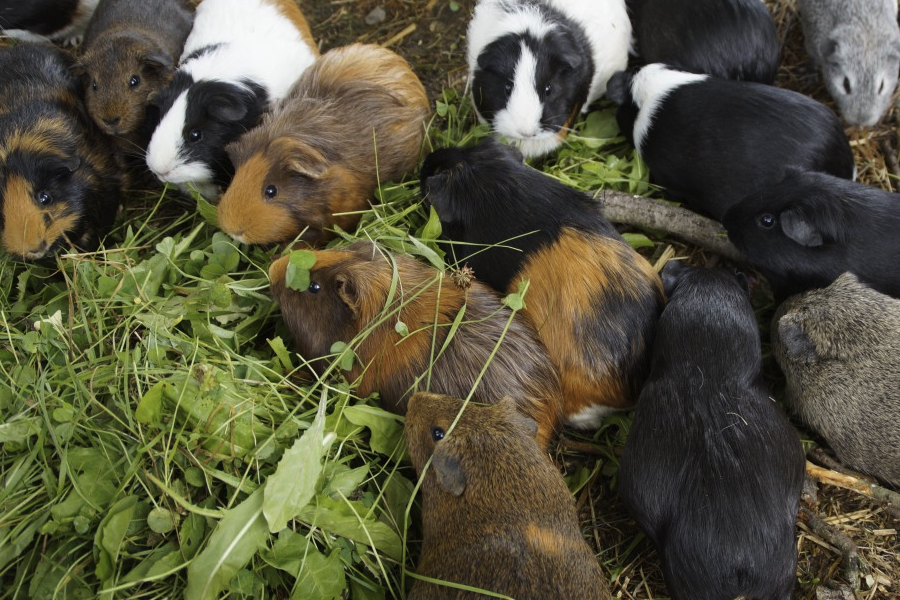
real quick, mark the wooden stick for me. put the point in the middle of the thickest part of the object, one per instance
(853, 563)
(849, 482)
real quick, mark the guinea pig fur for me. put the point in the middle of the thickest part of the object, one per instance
(349, 299)
(357, 117)
(729, 39)
(805, 230)
(712, 470)
(534, 64)
(592, 298)
(496, 513)
(130, 50)
(711, 141)
(240, 56)
(856, 44)
(46, 20)
(839, 348)
(59, 184)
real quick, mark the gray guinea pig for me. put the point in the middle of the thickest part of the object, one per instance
(839, 348)
(46, 20)
(496, 513)
(856, 44)
(130, 51)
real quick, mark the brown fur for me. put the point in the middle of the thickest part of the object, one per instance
(566, 278)
(353, 306)
(496, 514)
(356, 108)
(291, 10)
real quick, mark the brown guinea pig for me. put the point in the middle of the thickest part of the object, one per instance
(355, 118)
(59, 183)
(129, 53)
(496, 514)
(349, 300)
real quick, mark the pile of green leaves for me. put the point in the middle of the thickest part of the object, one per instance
(160, 439)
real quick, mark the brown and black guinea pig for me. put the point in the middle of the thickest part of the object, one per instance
(349, 300)
(130, 51)
(354, 119)
(496, 514)
(59, 184)
(592, 298)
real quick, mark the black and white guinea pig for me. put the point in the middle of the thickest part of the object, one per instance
(804, 231)
(46, 20)
(229, 74)
(712, 469)
(730, 39)
(59, 182)
(535, 64)
(712, 141)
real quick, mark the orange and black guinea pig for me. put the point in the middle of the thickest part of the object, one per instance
(59, 183)
(357, 294)
(592, 298)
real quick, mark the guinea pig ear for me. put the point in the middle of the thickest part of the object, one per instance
(348, 292)
(795, 341)
(226, 108)
(157, 63)
(672, 274)
(618, 87)
(526, 424)
(796, 225)
(447, 467)
(299, 158)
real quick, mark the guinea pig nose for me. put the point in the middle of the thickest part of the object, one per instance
(112, 121)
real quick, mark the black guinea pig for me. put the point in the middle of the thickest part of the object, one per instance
(59, 182)
(46, 20)
(592, 298)
(712, 469)
(805, 230)
(711, 141)
(729, 39)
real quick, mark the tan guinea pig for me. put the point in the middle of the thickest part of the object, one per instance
(355, 118)
(347, 300)
(496, 514)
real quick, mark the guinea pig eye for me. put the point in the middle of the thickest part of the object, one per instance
(766, 221)
(881, 87)
(271, 191)
(313, 287)
(134, 81)
(44, 198)
(437, 434)
(195, 135)
(547, 89)
(847, 88)
(94, 85)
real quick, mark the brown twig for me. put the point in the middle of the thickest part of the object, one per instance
(853, 563)
(855, 484)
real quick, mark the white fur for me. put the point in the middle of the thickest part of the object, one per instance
(649, 88)
(605, 23)
(591, 417)
(256, 42)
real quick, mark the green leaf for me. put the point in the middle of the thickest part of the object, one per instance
(149, 409)
(240, 534)
(162, 520)
(20, 430)
(432, 229)
(386, 427)
(110, 535)
(293, 484)
(638, 240)
(401, 328)
(296, 275)
(354, 521)
(208, 211)
(321, 577)
(284, 357)
(346, 355)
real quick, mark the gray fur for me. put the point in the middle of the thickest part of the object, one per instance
(856, 44)
(839, 348)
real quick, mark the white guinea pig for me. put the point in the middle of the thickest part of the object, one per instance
(240, 56)
(534, 64)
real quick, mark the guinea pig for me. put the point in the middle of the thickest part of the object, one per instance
(535, 64)
(129, 53)
(592, 298)
(351, 298)
(729, 39)
(711, 141)
(804, 231)
(240, 56)
(496, 514)
(839, 349)
(856, 44)
(59, 183)
(357, 117)
(712, 469)
(46, 20)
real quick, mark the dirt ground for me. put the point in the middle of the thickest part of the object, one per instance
(431, 35)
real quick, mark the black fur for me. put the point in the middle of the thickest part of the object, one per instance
(222, 111)
(43, 17)
(712, 469)
(714, 141)
(807, 229)
(729, 39)
(485, 195)
(564, 67)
